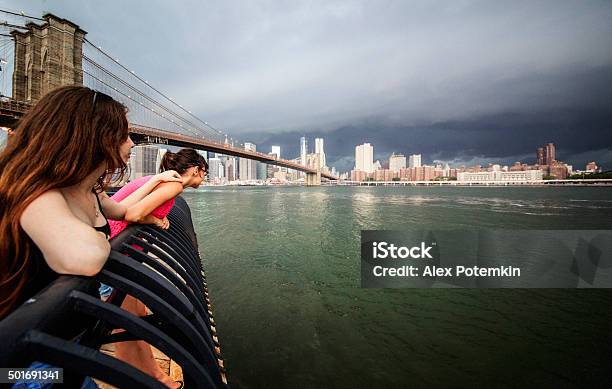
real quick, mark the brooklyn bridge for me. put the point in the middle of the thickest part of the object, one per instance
(48, 52)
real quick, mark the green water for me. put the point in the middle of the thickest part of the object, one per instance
(283, 268)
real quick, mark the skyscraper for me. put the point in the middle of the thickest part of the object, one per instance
(262, 170)
(248, 167)
(319, 150)
(540, 160)
(276, 151)
(142, 161)
(549, 153)
(414, 160)
(364, 158)
(397, 162)
(303, 150)
(230, 168)
(215, 168)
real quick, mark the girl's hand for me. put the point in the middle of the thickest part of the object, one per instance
(164, 223)
(168, 176)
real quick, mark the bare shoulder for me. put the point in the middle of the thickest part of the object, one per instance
(170, 187)
(50, 202)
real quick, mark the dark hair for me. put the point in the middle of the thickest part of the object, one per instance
(182, 160)
(61, 140)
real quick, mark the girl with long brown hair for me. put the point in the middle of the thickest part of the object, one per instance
(53, 208)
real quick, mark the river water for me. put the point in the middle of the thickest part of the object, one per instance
(283, 271)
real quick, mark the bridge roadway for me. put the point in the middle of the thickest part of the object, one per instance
(142, 134)
(11, 111)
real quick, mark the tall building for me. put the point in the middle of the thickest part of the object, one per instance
(319, 150)
(271, 169)
(276, 151)
(143, 161)
(230, 169)
(364, 158)
(303, 150)
(215, 169)
(546, 155)
(549, 152)
(262, 170)
(397, 162)
(414, 160)
(248, 167)
(540, 159)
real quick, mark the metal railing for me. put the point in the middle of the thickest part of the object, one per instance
(66, 324)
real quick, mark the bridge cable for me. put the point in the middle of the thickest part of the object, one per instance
(129, 97)
(144, 95)
(152, 87)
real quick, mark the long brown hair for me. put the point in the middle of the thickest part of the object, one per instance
(69, 133)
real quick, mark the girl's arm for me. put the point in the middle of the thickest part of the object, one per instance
(116, 211)
(140, 193)
(68, 245)
(162, 193)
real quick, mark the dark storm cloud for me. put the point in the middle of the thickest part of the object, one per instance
(454, 80)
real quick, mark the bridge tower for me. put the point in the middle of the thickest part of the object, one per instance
(47, 56)
(313, 161)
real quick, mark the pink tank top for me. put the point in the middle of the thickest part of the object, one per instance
(160, 212)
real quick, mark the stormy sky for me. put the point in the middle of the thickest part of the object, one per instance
(459, 81)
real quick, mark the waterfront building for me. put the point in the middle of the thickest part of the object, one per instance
(334, 172)
(385, 175)
(248, 168)
(364, 158)
(262, 170)
(591, 167)
(303, 150)
(518, 166)
(414, 160)
(501, 176)
(420, 173)
(216, 170)
(143, 161)
(230, 168)
(397, 162)
(558, 170)
(270, 170)
(358, 175)
(319, 150)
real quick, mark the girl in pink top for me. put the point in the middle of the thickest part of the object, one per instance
(153, 209)
(160, 212)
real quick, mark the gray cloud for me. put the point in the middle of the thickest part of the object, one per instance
(386, 71)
